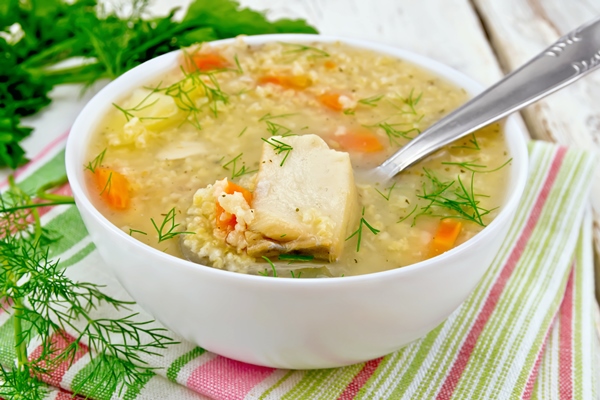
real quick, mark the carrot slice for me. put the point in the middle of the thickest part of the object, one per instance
(329, 64)
(207, 62)
(361, 140)
(113, 188)
(445, 236)
(228, 224)
(331, 100)
(289, 82)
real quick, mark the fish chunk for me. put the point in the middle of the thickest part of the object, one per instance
(305, 200)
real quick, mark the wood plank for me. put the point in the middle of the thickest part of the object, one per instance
(519, 29)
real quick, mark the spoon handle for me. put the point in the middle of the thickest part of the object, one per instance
(571, 57)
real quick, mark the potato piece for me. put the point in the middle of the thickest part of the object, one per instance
(304, 205)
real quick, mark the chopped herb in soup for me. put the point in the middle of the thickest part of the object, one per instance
(243, 158)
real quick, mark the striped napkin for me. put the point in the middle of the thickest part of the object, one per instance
(527, 331)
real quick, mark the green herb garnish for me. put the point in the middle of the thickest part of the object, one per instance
(96, 162)
(301, 48)
(235, 172)
(474, 145)
(451, 199)
(296, 257)
(45, 301)
(272, 266)
(294, 275)
(474, 167)
(358, 232)
(167, 227)
(279, 147)
(371, 101)
(145, 103)
(387, 197)
(132, 231)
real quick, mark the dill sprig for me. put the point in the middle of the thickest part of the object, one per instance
(145, 103)
(371, 101)
(409, 103)
(96, 162)
(393, 132)
(167, 227)
(266, 273)
(301, 48)
(474, 145)
(296, 257)
(451, 199)
(269, 116)
(294, 275)
(276, 129)
(47, 304)
(279, 147)
(471, 165)
(235, 172)
(407, 215)
(132, 231)
(358, 232)
(389, 192)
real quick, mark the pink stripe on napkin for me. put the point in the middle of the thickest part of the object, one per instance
(227, 379)
(360, 379)
(60, 341)
(488, 308)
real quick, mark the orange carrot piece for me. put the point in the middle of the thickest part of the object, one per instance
(207, 62)
(329, 64)
(228, 224)
(331, 100)
(361, 140)
(113, 188)
(289, 82)
(445, 236)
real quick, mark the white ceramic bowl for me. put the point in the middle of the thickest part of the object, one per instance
(290, 323)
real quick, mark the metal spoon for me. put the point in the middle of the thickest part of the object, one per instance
(571, 57)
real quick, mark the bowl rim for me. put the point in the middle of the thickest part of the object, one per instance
(77, 143)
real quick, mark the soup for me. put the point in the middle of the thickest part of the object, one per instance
(165, 156)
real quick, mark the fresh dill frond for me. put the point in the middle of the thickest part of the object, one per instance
(235, 172)
(474, 145)
(243, 131)
(132, 231)
(349, 111)
(239, 69)
(358, 232)
(371, 101)
(272, 266)
(145, 103)
(408, 215)
(301, 48)
(411, 101)
(279, 147)
(472, 166)
(45, 302)
(294, 275)
(96, 162)
(268, 116)
(167, 227)
(393, 133)
(452, 199)
(108, 185)
(277, 129)
(387, 197)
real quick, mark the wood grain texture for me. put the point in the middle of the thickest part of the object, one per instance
(519, 29)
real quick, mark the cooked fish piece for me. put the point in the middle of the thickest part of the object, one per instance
(305, 199)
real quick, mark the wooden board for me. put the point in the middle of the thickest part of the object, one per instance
(519, 29)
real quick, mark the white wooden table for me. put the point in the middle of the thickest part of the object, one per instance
(482, 38)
